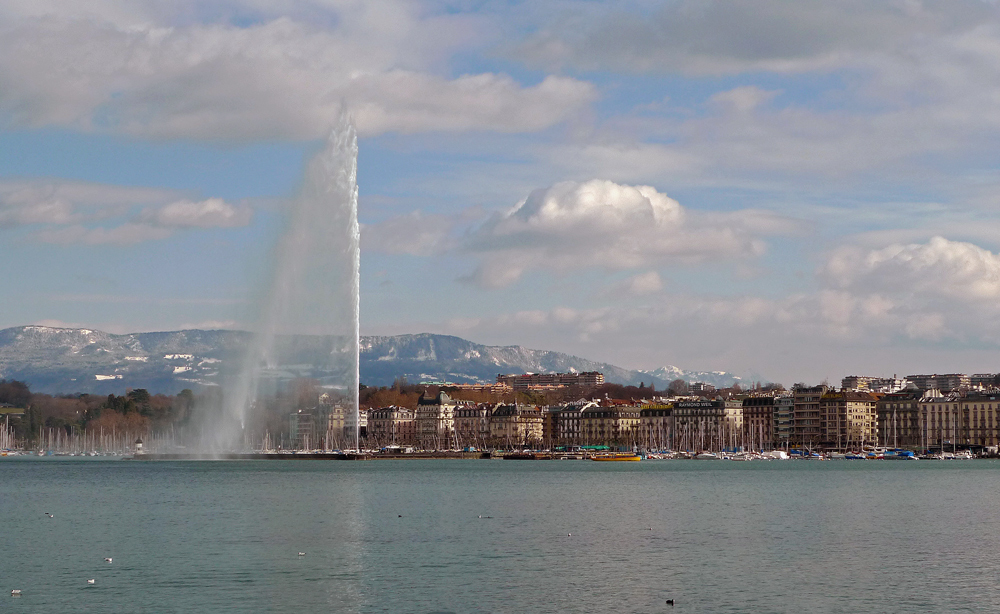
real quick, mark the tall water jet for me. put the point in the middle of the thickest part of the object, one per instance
(314, 288)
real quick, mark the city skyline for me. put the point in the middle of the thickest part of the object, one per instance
(802, 191)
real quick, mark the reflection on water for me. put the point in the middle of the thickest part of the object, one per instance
(493, 536)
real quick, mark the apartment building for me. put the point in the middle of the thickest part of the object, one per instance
(392, 426)
(435, 421)
(784, 421)
(807, 417)
(516, 426)
(698, 424)
(899, 420)
(528, 381)
(611, 422)
(758, 422)
(848, 419)
(945, 383)
(865, 383)
(656, 426)
(472, 424)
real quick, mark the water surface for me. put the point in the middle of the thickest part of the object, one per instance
(555, 536)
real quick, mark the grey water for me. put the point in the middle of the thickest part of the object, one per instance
(499, 536)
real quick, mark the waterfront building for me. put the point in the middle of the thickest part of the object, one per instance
(698, 424)
(784, 420)
(564, 423)
(530, 381)
(336, 419)
(945, 383)
(656, 426)
(435, 421)
(807, 418)
(848, 419)
(613, 422)
(981, 414)
(472, 424)
(899, 420)
(392, 425)
(300, 429)
(732, 426)
(758, 422)
(941, 424)
(516, 426)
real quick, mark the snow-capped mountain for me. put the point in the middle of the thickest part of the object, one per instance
(719, 379)
(66, 360)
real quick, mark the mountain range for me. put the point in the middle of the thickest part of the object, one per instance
(77, 360)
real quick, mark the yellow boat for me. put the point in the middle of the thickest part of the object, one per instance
(620, 456)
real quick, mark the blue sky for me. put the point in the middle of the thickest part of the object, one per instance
(800, 190)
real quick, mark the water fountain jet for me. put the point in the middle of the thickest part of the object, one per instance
(314, 288)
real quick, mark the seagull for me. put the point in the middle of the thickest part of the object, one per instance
(670, 602)
(302, 554)
(15, 593)
(90, 581)
(50, 515)
(569, 535)
(107, 559)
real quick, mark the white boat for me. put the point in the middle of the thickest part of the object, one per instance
(707, 456)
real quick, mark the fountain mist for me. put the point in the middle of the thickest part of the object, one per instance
(314, 289)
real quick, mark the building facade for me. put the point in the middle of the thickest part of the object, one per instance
(392, 426)
(528, 381)
(848, 420)
(610, 423)
(784, 421)
(945, 383)
(656, 426)
(807, 417)
(516, 426)
(472, 424)
(435, 422)
(899, 420)
(698, 424)
(758, 422)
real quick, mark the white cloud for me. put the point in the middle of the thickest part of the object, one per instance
(644, 283)
(94, 214)
(28, 202)
(209, 213)
(277, 78)
(939, 269)
(597, 223)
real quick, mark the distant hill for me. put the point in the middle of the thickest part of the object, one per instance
(69, 360)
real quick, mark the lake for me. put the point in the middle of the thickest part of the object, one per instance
(499, 536)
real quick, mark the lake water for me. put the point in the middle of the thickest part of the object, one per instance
(406, 536)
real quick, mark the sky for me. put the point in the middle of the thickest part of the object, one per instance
(795, 191)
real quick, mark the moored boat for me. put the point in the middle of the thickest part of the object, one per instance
(616, 456)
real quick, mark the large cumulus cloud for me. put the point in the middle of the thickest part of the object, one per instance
(599, 223)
